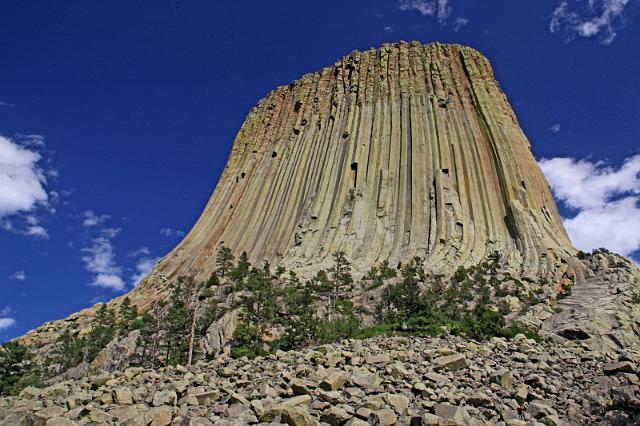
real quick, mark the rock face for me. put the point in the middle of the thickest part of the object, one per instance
(407, 150)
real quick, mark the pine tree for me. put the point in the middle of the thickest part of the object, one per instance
(69, 350)
(300, 324)
(224, 261)
(259, 305)
(153, 336)
(378, 275)
(341, 279)
(240, 272)
(128, 314)
(177, 323)
(213, 281)
(101, 333)
(17, 369)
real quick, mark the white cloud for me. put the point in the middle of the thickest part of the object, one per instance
(22, 181)
(606, 201)
(100, 261)
(7, 310)
(34, 228)
(460, 22)
(143, 267)
(6, 323)
(602, 18)
(555, 128)
(6, 104)
(18, 276)
(92, 219)
(169, 232)
(439, 9)
(388, 28)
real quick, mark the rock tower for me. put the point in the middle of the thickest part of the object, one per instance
(402, 151)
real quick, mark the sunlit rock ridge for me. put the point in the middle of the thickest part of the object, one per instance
(402, 151)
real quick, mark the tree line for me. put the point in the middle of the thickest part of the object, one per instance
(279, 311)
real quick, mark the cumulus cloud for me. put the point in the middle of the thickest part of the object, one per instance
(22, 181)
(18, 276)
(605, 199)
(601, 18)
(6, 323)
(439, 9)
(555, 128)
(99, 260)
(169, 232)
(92, 219)
(6, 104)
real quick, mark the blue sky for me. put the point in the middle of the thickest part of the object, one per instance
(116, 118)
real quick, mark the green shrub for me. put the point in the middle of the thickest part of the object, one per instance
(17, 370)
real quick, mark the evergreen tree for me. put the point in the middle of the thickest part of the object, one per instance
(177, 322)
(378, 275)
(240, 272)
(69, 350)
(300, 323)
(213, 281)
(128, 314)
(259, 305)
(102, 332)
(153, 336)
(17, 369)
(224, 261)
(341, 280)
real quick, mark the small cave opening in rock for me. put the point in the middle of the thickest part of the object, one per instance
(445, 171)
(574, 334)
(242, 175)
(274, 154)
(354, 173)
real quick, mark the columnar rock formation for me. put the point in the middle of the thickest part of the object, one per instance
(407, 150)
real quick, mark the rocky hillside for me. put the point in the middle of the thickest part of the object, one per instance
(382, 381)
